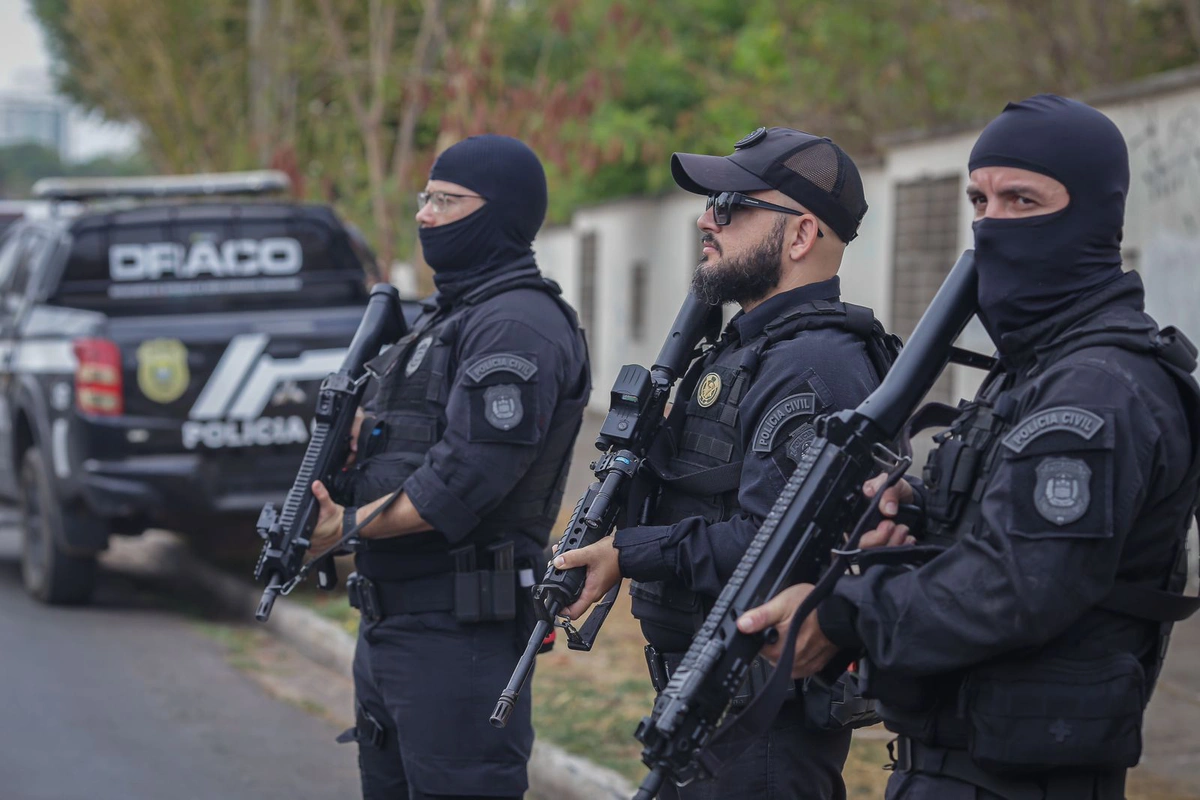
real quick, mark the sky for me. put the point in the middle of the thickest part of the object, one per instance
(25, 68)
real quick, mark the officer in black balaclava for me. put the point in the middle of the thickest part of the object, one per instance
(1016, 661)
(465, 445)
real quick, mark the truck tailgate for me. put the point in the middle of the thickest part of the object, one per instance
(229, 381)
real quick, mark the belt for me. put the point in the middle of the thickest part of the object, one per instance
(663, 665)
(379, 599)
(909, 755)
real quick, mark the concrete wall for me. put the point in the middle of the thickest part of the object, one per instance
(1160, 119)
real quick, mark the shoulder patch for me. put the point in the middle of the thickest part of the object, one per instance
(502, 406)
(1063, 491)
(1082, 423)
(801, 439)
(788, 408)
(523, 368)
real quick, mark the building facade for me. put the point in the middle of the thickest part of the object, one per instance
(627, 264)
(37, 119)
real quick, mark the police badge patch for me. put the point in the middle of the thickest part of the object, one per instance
(418, 356)
(709, 388)
(800, 441)
(502, 406)
(1062, 493)
(162, 372)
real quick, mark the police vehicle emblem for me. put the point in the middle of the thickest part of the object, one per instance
(162, 372)
(750, 139)
(502, 406)
(709, 388)
(1062, 495)
(418, 356)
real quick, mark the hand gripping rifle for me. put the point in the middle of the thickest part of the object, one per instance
(288, 533)
(635, 415)
(818, 505)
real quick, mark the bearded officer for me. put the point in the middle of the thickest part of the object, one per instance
(1018, 661)
(781, 210)
(473, 421)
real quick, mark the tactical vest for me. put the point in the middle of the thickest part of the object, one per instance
(414, 378)
(697, 459)
(956, 476)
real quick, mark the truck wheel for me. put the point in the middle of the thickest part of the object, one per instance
(50, 575)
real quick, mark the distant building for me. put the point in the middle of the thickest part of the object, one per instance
(626, 264)
(33, 118)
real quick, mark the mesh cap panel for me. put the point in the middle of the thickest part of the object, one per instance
(818, 164)
(824, 165)
(810, 169)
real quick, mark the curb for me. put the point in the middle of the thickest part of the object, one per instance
(553, 772)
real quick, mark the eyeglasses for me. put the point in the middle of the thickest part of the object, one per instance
(442, 201)
(723, 203)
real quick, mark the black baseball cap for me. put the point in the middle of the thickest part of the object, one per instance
(811, 170)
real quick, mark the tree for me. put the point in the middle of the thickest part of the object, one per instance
(357, 99)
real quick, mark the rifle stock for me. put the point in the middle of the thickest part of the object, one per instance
(818, 505)
(636, 408)
(287, 534)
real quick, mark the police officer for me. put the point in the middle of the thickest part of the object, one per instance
(780, 212)
(1016, 663)
(473, 420)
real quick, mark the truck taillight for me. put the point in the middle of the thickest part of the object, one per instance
(98, 383)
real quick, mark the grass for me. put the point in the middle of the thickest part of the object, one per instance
(590, 703)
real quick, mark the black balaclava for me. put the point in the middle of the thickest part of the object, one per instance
(506, 173)
(1036, 267)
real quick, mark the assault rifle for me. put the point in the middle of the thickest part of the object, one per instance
(635, 414)
(818, 505)
(288, 533)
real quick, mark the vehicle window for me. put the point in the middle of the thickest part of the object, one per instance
(30, 258)
(212, 258)
(10, 250)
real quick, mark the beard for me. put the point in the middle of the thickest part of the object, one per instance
(741, 279)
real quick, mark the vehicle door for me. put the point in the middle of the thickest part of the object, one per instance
(13, 246)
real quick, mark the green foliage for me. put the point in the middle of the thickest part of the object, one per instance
(22, 165)
(604, 90)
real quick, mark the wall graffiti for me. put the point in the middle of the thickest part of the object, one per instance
(1164, 150)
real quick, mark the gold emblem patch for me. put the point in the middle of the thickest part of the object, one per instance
(709, 388)
(162, 369)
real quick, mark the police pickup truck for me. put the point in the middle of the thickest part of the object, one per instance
(160, 353)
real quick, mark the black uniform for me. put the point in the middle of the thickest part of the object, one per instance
(475, 415)
(741, 421)
(1069, 472)
(1017, 662)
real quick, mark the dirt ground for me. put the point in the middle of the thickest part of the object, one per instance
(590, 704)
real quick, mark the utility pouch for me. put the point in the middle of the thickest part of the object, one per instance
(498, 588)
(372, 438)
(666, 605)
(837, 705)
(1030, 717)
(366, 730)
(485, 595)
(949, 474)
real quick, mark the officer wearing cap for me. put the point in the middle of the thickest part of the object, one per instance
(1016, 662)
(473, 421)
(780, 212)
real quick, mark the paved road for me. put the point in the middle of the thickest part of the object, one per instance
(129, 701)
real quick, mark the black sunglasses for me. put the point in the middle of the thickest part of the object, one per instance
(723, 203)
